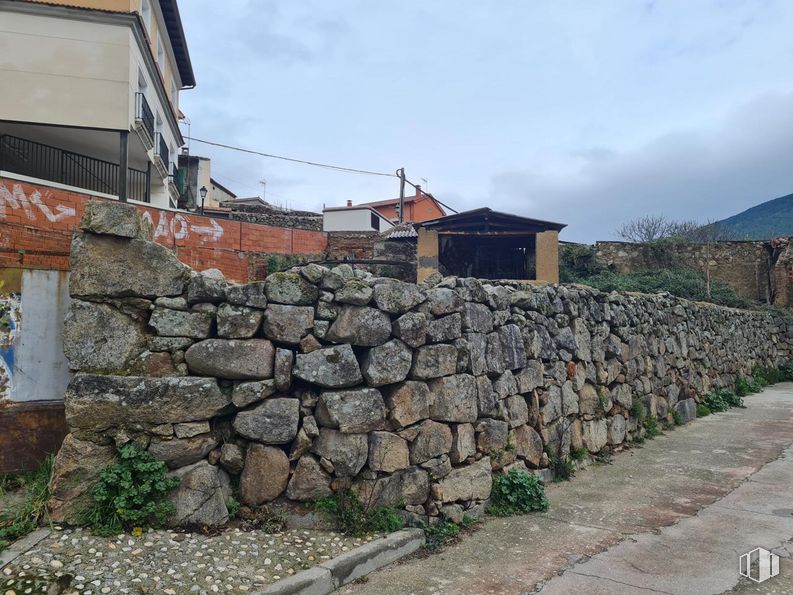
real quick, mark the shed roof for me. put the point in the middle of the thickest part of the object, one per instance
(487, 220)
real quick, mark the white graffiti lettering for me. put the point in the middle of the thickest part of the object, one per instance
(180, 227)
(177, 226)
(16, 199)
(213, 230)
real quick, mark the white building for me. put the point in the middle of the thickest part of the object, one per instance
(91, 91)
(354, 218)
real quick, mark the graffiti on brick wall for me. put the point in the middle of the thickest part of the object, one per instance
(168, 226)
(179, 227)
(31, 205)
(10, 318)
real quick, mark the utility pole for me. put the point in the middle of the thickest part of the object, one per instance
(401, 174)
(263, 182)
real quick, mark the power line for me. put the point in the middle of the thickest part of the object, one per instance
(281, 157)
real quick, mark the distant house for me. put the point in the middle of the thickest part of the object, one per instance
(354, 218)
(382, 214)
(194, 173)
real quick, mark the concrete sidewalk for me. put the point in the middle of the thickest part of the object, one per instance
(670, 517)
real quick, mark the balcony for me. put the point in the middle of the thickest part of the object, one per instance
(162, 154)
(144, 121)
(37, 160)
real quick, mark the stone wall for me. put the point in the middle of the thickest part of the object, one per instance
(320, 378)
(744, 266)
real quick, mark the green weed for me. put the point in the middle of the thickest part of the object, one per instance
(23, 518)
(349, 515)
(517, 492)
(130, 493)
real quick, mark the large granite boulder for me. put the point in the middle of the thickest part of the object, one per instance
(291, 289)
(387, 452)
(101, 267)
(238, 322)
(200, 498)
(411, 328)
(247, 393)
(409, 487)
(347, 452)
(387, 364)
(355, 292)
(331, 367)
(274, 421)
(477, 318)
(179, 452)
(264, 476)
(512, 348)
(287, 324)
(208, 286)
(97, 403)
(251, 295)
(351, 411)
(454, 398)
(176, 323)
(235, 359)
(397, 297)
(433, 439)
(309, 481)
(443, 300)
(408, 403)
(360, 325)
(115, 219)
(75, 470)
(434, 361)
(124, 338)
(472, 482)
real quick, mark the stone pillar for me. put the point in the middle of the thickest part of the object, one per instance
(426, 253)
(547, 261)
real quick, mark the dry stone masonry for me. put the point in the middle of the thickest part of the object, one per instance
(322, 378)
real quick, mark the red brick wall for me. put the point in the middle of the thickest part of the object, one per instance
(37, 223)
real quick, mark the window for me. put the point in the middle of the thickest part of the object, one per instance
(160, 55)
(174, 94)
(142, 84)
(375, 222)
(145, 13)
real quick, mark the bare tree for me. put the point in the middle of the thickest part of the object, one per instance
(645, 229)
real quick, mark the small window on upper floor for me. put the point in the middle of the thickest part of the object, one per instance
(160, 55)
(142, 84)
(375, 222)
(145, 13)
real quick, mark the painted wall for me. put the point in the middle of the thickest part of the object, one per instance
(64, 72)
(547, 256)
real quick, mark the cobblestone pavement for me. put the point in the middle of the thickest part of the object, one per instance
(234, 561)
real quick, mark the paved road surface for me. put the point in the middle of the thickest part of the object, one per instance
(670, 517)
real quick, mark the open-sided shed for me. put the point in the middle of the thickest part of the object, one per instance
(488, 244)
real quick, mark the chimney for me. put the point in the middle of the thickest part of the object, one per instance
(349, 202)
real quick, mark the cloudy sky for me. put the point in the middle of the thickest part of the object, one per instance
(587, 113)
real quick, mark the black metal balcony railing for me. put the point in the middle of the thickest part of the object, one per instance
(143, 113)
(37, 160)
(161, 148)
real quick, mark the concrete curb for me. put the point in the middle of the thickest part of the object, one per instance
(330, 575)
(20, 547)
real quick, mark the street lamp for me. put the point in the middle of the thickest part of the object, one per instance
(203, 193)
